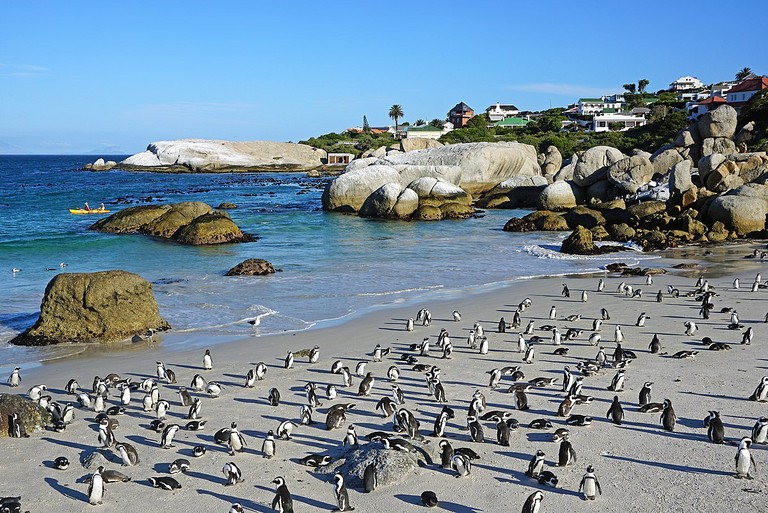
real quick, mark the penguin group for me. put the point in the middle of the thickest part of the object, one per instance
(410, 389)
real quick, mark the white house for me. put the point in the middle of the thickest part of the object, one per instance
(693, 96)
(686, 83)
(591, 106)
(739, 94)
(603, 122)
(501, 111)
(425, 132)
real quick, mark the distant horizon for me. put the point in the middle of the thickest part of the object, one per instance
(78, 85)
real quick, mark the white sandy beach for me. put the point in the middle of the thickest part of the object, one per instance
(641, 467)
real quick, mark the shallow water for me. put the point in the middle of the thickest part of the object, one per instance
(333, 265)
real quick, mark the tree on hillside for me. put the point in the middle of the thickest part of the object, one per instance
(396, 112)
(437, 123)
(743, 73)
(630, 88)
(420, 122)
(642, 84)
(366, 126)
(550, 123)
(480, 121)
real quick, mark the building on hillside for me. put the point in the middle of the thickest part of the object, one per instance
(592, 106)
(739, 95)
(383, 130)
(425, 132)
(340, 158)
(607, 122)
(697, 109)
(513, 122)
(686, 83)
(501, 111)
(460, 115)
(694, 96)
(721, 88)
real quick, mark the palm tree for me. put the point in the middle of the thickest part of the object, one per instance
(420, 122)
(396, 112)
(743, 73)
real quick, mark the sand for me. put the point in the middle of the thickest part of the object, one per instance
(641, 467)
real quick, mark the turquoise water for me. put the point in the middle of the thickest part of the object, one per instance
(333, 265)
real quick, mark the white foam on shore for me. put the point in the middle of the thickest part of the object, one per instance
(633, 252)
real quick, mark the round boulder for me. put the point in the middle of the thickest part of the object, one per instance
(560, 196)
(631, 173)
(381, 201)
(593, 164)
(251, 267)
(213, 228)
(579, 242)
(720, 122)
(106, 306)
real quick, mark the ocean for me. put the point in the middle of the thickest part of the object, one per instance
(333, 265)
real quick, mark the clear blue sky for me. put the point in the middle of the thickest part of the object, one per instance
(83, 76)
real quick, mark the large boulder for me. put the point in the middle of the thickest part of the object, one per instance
(212, 228)
(664, 160)
(106, 306)
(187, 223)
(553, 161)
(583, 216)
(717, 145)
(709, 163)
(200, 155)
(32, 416)
(561, 196)
(418, 143)
(252, 267)
(516, 192)
(631, 173)
(406, 204)
(680, 178)
(579, 242)
(476, 168)
(742, 210)
(382, 201)
(593, 164)
(720, 122)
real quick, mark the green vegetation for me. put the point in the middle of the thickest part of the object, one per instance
(743, 73)
(349, 142)
(544, 132)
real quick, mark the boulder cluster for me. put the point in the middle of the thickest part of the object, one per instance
(192, 223)
(697, 189)
(437, 182)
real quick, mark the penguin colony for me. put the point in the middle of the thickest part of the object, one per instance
(472, 419)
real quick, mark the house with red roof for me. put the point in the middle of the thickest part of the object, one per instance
(738, 95)
(698, 109)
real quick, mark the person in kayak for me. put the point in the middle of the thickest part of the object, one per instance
(102, 207)
(87, 208)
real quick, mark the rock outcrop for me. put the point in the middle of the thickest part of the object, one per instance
(100, 165)
(252, 267)
(32, 416)
(593, 164)
(742, 210)
(104, 307)
(201, 155)
(456, 174)
(192, 222)
(418, 143)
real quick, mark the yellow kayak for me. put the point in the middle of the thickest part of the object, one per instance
(91, 211)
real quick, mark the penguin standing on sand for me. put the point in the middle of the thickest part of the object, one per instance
(274, 397)
(288, 364)
(340, 491)
(761, 392)
(350, 438)
(502, 431)
(96, 488)
(475, 429)
(600, 285)
(584, 296)
(314, 355)
(716, 431)
(461, 464)
(536, 465)
(236, 440)
(207, 360)
(668, 417)
(128, 453)
(15, 378)
(747, 337)
(566, 454)
(760, 431)
(446, 454)
(645, 393)
(566, 292)
(409, 324)
(655, 346)
(166, 439)
(553, 313)
(533, 503)
(283, 502)
(268, 446)
(744, 459)
(370, 478)
(616, 412)
(366, 385)
(233, 473)
(590, 486)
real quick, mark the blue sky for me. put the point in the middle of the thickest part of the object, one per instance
(81, 76)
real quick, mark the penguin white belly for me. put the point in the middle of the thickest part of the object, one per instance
(743, 463)
(589, 488)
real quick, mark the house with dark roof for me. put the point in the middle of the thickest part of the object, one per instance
(460, 115)
(501, 111)
(738, 95)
